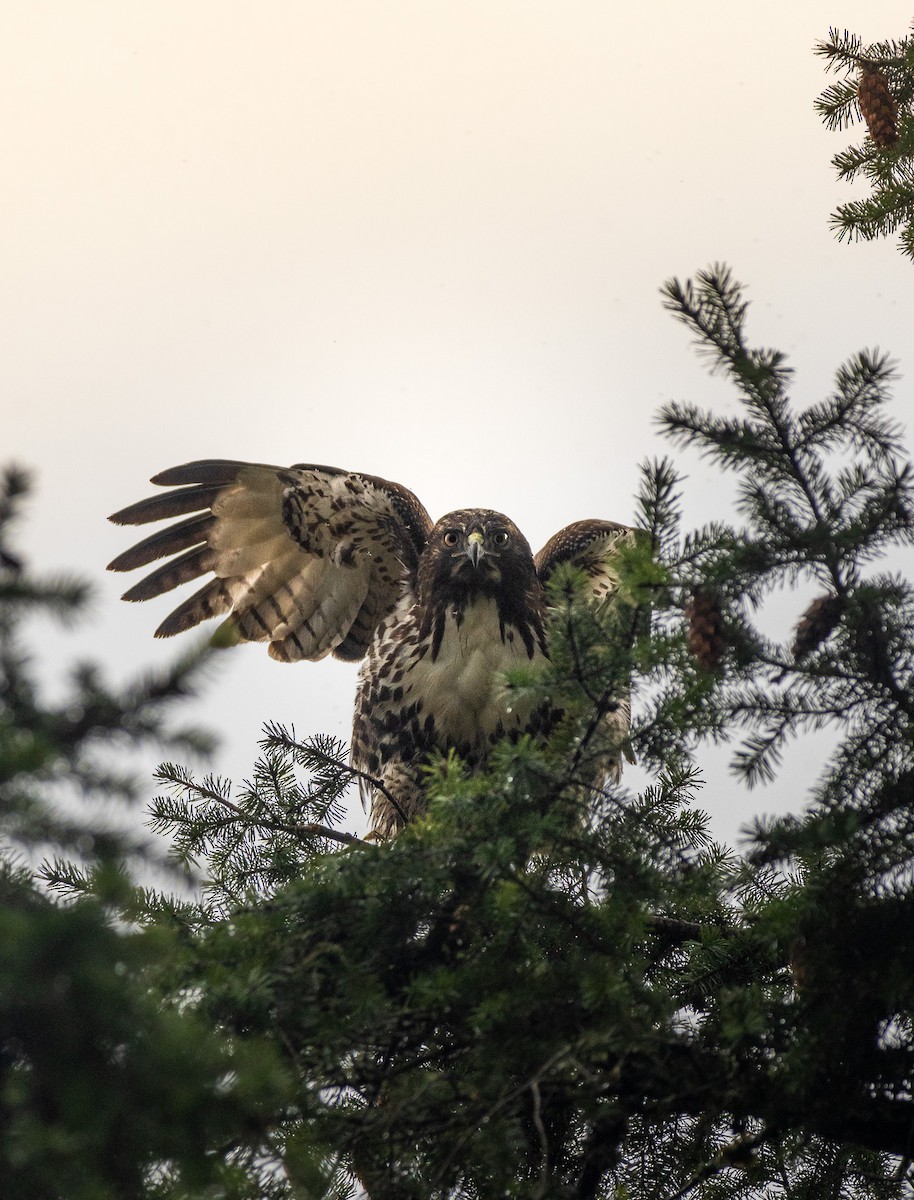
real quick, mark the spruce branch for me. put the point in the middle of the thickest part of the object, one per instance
(176, 778)
(877, 88)
(825, 492)
(327, 758)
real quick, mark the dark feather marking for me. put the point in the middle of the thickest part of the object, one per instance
(180, 570)
(573, 541)
(211, 600)
(296, 642)
(527, 634)
(254, 614)
(350, 649)
(165, 542)
(170, 504)
(438, 633)
(218, 471)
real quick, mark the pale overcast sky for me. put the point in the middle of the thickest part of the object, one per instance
(419, 239)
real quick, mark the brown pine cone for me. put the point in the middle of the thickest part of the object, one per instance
(816, 624)
(877, 104)
(705, 634)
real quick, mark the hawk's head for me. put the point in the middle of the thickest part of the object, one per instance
(473, 552)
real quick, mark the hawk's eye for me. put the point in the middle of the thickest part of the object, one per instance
(452, 537)
(500, 538)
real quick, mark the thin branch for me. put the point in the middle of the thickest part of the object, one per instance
(308, 829)
(347, 769)
(543, 1182)
(500, 1103)
(734, 1152)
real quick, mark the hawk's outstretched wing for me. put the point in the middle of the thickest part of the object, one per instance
(307, 558)
(591, 546)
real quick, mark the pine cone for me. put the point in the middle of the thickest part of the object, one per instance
(705, 634)
(816, 624)
(877, 104)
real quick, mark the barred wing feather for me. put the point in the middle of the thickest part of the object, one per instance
(308, 558)
(592, 547)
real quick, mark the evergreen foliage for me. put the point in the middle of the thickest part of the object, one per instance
(109, 1088)
(886, 158)
(543, 989)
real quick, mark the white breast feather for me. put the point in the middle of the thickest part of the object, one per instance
(463, 689)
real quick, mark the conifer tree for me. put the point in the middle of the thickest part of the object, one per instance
(107, 1090)
(877, 88)
(547, 990)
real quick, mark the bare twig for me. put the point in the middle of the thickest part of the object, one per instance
(543, 1181)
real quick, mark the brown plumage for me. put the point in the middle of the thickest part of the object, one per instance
(314, 560)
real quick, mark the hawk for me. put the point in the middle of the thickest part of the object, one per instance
(314, 560)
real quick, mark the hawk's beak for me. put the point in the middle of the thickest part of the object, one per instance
(475, 548)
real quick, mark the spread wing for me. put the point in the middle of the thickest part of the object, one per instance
(592, 547)
(307, 558)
